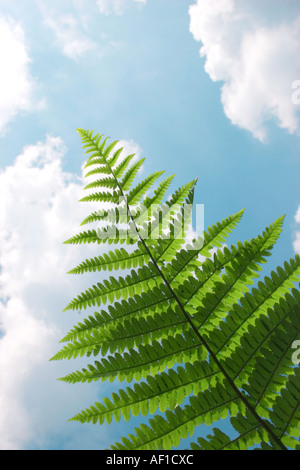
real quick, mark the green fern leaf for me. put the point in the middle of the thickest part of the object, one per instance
(202, 337)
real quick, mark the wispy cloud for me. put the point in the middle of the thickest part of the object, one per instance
(73, 42)
(69, 23)
(17, 86)
(116, 7)
(255, 53)
(69, 32)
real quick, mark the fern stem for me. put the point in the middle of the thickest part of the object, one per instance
(241, 396)
(223, 371)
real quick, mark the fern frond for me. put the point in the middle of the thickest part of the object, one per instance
(285, 414)
(255, 305)
(138, 192)
(167, 391)
(186, 259)
(149, 359)
(131, 174)
(113, 260)
(154, 301)
(271, 369)
(202, 337)
(137, 282)
(122, 167)
(250, 434)
(103, 197)
(125, 333)
(165, 433)
(102, 183)
(239, 273)
(89, 236)
(100, 170)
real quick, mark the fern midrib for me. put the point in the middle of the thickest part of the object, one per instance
(241, 435)
(260, 344)
(213, 273)
(148, 332)
(195, 329)
(132, 313)
(92, 375)
(193, 383)
(229, 286)
(264, 300)
(94, 343)
(228, 378)
(96, 295)
(120, 318)
(184, 423)
(104, 264)
(288, 422)
(204, 247)
(273, 372)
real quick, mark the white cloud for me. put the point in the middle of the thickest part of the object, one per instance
(254, 51)
(38, 211)
(297, 237)
(297, 243)
(17, 86)
(117, 7)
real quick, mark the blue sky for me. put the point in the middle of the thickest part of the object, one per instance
(198, 88)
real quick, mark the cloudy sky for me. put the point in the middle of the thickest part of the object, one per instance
(207, 89)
